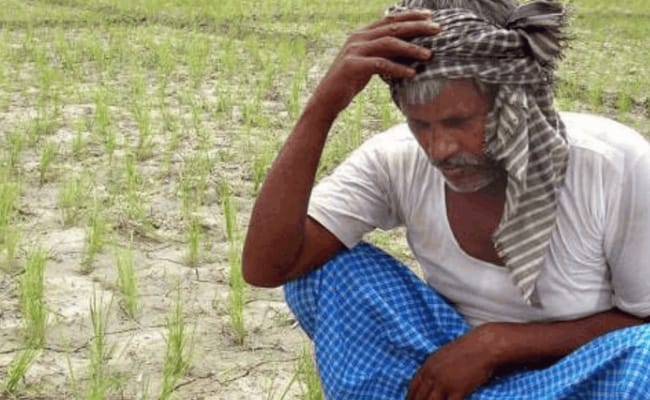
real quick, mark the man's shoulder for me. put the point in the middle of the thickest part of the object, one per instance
(598, 132)
(395, 144)
(598, 137)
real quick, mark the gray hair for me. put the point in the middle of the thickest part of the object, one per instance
(494, 11)
(425, 91)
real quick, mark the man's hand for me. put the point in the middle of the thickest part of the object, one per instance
(373, 50)
(455, 370)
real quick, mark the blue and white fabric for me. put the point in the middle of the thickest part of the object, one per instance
(373, 323)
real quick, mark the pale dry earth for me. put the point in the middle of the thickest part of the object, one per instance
(264, 366)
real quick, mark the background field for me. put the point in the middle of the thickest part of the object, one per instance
(134, 136)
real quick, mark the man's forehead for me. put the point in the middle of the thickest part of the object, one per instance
(457, 97)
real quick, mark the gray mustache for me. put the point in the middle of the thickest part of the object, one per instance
(458, 161)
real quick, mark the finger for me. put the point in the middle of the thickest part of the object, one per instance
(388, 69)
(410, 15)
(390, 47)
(415, 387)
(435, 394)
(403, 30)
(427, 390)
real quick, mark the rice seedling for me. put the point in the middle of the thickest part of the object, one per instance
(228, 58)
(39, 126)
(18, 369)
(265, 83)
(251, 46)
(293, 101)
(288, 51)
(92, 47)
(251, 116)
(308, 376)
(596, 96)
(270, 391)
(134, 205)
(96, 231)
(10, 240)
(68, 58)
(74, 383)
(142, 114)
(236, 295)
(235, 279)
(73, 199)
(165, 64)
(194, 181)
(623, 102)
(48, 154)
(79, 141)
(224, 102)
(193, 240)
(178, 350)
(196, 111)
(9, 194)
(198, 59)
(103, 127)
(32, 300)
(127, 282)
(48, 103)
(117, 49)
(14, 149)
(9, 231)
(100, 382)
(46, 73)
(229, 211)
(172, 127)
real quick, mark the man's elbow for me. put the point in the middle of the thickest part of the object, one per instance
(260, 274)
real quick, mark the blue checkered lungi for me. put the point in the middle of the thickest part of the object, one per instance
(373, 323)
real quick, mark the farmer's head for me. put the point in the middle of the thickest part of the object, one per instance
(449, 124)
(490, 78)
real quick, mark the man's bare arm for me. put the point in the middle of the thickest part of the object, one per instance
(458, 368)
(282, 242)
(540, 342)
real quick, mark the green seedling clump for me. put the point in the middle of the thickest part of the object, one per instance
(32, 300)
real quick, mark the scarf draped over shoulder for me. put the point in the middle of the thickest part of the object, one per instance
(524, 133)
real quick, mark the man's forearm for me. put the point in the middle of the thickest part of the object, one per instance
(537, 343)
(276, 233)
(277, 222)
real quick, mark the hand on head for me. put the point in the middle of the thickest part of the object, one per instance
(375, 50)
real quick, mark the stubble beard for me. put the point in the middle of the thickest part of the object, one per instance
(483, 172)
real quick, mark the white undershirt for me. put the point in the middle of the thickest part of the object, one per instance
(599, 255)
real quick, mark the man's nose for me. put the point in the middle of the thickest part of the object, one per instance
(441, 145)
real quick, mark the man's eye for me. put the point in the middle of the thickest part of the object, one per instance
(418, 125)
(453, 122)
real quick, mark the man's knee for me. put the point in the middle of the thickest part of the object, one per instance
(642, 342)
(636, 348)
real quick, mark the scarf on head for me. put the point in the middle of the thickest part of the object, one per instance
(524, 133)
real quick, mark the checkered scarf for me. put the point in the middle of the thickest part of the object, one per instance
(524, 133)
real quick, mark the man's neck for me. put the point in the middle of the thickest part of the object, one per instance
(493, 193)
(474, 217)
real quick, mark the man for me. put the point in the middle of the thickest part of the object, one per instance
(531, 229)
